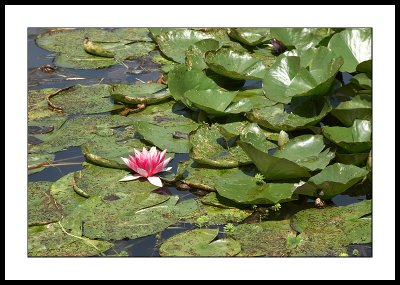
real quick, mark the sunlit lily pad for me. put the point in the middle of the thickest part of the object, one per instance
(68, 43)
(254, 135)
(256, 98)
(51, 240)
(264, 239)
(96, 180)
(354, 139)
(359, 107)
(273, 168)
(301, 113)
(244, 188)
(175, 43)
(333, 180)
(216, 102)
(145, 93)
(165, 137)
(354, 45)
(181, 79)
(288, 78)
(209, 147)
(195, 54)
(42, 209)
(329, 231)
(199, 242)
(63, 193)
(250, 36)
(300, 38)
(307, 151)
(83, 99)
(234, 64)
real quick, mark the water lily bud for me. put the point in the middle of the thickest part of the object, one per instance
(277, 47)
(282, 139)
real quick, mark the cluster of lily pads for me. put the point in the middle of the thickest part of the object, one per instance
(266, 115)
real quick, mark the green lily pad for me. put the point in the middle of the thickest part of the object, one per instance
(209, 147)
(243, 188)
(199, 242)
(300, 114)
(218, 215)
(42, 209)
(300, 38)
(146, 93)
(333, 180)
(329, 231)
(63, 193)
(359, 107)
(216, 200)
(107, 152)
(37, 103)
(288, 78)
(354, 45)
(198, 176)
(216, 102)
(264, 238)
(354, 139)
(83, 99)
(164, 137)
(175, 43)
(195, 54)
(131, 216)
(235, 64)
(256, 98)
(181, 79)
(71, 132)
(352, 158)
(362, 80)
(68, 43)
(254, 135)
(35, 158)
(365, 66)
(306, 151)
(250, 36)
(133, 34)
(95, 180)
(272, 167)
(51, 240)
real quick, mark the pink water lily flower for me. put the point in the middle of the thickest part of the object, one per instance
(146, 164)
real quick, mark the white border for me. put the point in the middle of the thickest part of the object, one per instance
(381, 266)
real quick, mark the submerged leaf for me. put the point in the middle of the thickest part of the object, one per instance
(199, 243)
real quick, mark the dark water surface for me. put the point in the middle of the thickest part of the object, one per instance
(142, 70)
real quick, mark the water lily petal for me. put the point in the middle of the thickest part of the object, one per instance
(167, 169)
(126, 161)
(165, 163)
(142, 172)
(130, 177)
(155, 181)
(162, 155)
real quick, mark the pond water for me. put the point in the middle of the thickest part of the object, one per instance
(144, 70)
